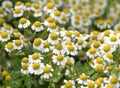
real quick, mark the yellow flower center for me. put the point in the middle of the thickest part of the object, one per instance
(92, 50)
(35, 56)
(109, 55)
(46, 69)
(25, 40)
(68, 85)
(96, 11)
(99, 60)
(37, 41)
(102, 40)
(118, 28)
(2, 21)
(23, 20)
(37, 11)
(10, 46)
(8, 78)
(17, 35)
(57, 13)
(114, 80)
(83, 76)
(68, 34)
(99, 68)
(60, 57)
(50, 5)
(91, 84)
(25, 60)
(18, 3)
(18, 42)
(53, 25)
(36, 66)
(25, 67)
(1, 11)
(66, 10)
(70, 48)
(96, 44)
(68, 43)
(58, 46)
(80, 42)
(75, 8)
(98, 83)
(109, 21)
(4, 73)
(37, 24)
(17, 11)
(46, 44)
(28, 4)
(106, 33)
(100, 22)
(109, 86)
(68, 62)
(36, 5)
(53, 36)
(77, 21)
(50, 19)
(106, 48)
(7, 27)
(82, 54)
(76, 33)
(4, 34)
(85, 20)
(100, 79)
(109, 68)
(64, 18)
(8, 5)
(94, 37)
(113, 38)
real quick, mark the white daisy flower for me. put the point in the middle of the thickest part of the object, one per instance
(63, 19)
(7, 28)
(68, 84)
(35, 57)
(4, 36)
(52, 27)
(46, 46)
(18, 44)
(81, 44)
(108, 57)
(76, 23)
(69, 61)
(58, 48)
(109, 23)
(9, 47)
(35, 68)
(59, 59)
(18, 13)
(24, 69)
(7, 5)
(100, 24)
(38, 44)
(23, 23)
(35, 6)
(86, 21)
(53, 38)
(37, 13)
(27, 6)
(47, 72)
(50, 7)
(19, 5)
(2, 12)
(48, 21)
(56, 15)
(117, 27)
(37, 26)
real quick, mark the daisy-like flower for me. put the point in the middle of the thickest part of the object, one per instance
(47, 72)
(35, 57)
(59, 59)
(37, 13)
(24, 69)
(9, 47)
(35, 6)
(7, 5)
(71, 50)
(91, 84)
(108, 57)
(81, 44)
(92, 53)
(18, 44)
(109, 23)
(58, 3)
(68, 84)
(66, 35)
(66, 11)
(69, 61)
(25, 41)
(53, 38)
(63, 19)
(17, 35)
(2, 12)
(7, 28)
(59, 48)
(83, 79)
(37, 26)
(4, 36)
(117, 27)
(52, 27)
(48, 21)
(18, 13)
(50, 7)
(38, 44)
(23, 23)
(95, 44)
(27, 6)
(99, 67)
(56, 15)
(86, 21)
(74, 10)
(19, 5)
(35, 68)
(100, 24)
(46, 46)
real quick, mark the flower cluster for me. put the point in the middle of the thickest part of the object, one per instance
(60, 44)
